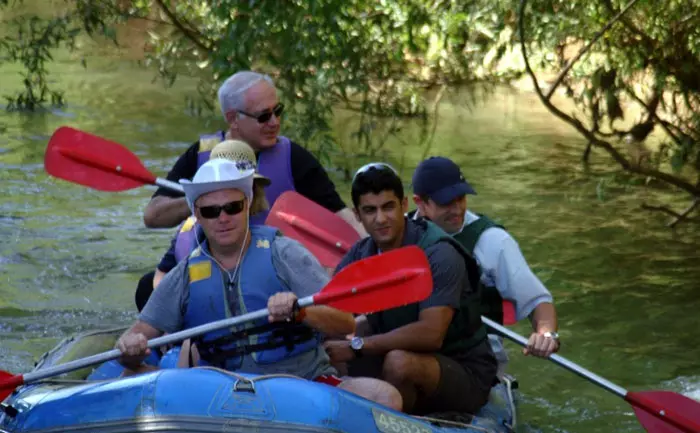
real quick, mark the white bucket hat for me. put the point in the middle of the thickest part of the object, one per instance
(218, 174)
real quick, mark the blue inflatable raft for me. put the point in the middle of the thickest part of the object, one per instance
(205, 399)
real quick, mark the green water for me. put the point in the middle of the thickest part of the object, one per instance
(626, 288)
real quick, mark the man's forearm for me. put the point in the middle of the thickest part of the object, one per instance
(414, 337)
(165, 212)
(329, 321)
(544, 318)
(350, 218)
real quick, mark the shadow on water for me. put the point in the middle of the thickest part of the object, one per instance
(625, 286)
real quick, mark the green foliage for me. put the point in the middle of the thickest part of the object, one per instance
(382, 57)
(375, 57)
(648, 62)
(29, 39)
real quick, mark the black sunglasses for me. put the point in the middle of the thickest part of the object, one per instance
(231, 208)
(267, 114)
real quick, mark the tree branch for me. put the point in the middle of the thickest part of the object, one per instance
(190, 34)
(663, 209)
(685, 213)
(665, 125)
(677, 217)
(585, 49)
(614, 153)
(631, 27)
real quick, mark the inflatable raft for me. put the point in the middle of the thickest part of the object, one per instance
(205, 399)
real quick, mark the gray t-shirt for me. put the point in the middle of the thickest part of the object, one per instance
(297, 269)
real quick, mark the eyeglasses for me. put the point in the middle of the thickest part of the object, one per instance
(231, 208)
(266, 115)
(374, 166)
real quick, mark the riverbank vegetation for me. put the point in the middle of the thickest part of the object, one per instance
(631, 67)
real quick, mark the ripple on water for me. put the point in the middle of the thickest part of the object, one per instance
(25, 338)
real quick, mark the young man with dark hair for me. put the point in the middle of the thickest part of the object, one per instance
(435, 351)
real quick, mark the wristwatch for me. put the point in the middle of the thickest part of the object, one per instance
(356, 345)
(552, 335)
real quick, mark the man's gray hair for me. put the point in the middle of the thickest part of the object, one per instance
(232, 92)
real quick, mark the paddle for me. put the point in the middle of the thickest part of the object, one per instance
(321, 231)
(657, 411)
(390, 280)
(95, 162)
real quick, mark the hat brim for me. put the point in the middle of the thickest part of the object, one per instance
(449, 193)
(195, 190)
(264, 180)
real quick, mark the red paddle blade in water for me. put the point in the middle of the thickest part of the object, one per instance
(665, 411)
(93, 161)
(389, 280)
(8, 383)
(322, 232)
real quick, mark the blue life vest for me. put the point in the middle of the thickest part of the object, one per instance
(266, 342)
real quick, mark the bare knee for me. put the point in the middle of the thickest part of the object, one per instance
(375, 390)
(397, 366)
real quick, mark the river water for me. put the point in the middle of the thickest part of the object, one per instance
(626, 287)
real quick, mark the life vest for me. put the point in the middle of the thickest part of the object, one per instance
(185, 241)
(466, 329)
(208, 302)
(274, 163)
(491, 300)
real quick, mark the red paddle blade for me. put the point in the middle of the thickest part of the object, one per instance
(381, 282)
(8, 383)
(95, 162)
(665, 411)
(322, 232)
(509, 317)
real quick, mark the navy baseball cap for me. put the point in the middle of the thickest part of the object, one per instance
(440, 179)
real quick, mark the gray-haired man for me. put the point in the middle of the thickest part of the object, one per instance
(252, 110)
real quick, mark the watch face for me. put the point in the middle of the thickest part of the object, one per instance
(356, 343)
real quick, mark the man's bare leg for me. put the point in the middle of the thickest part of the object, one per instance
(375, 390)
(413, 374)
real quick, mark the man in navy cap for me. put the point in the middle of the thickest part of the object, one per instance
(440, 193)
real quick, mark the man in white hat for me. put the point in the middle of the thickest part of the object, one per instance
(183, 242)
(238, 268)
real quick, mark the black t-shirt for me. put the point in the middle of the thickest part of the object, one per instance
(310, 178)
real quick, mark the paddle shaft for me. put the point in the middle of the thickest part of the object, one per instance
(156, 342)
(169, 184)
(663, 412)
(517, 338)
